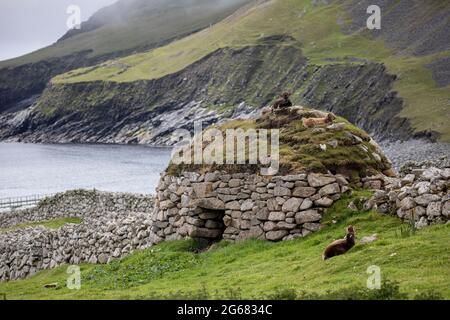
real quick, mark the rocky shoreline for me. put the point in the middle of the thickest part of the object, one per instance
(403, 152)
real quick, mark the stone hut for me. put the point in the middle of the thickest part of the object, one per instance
(317, 166)
(239, 206)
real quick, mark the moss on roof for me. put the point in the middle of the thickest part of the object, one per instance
(338, 148)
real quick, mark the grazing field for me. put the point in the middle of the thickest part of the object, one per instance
(413, 264)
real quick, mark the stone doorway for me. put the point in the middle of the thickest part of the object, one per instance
(210, 225)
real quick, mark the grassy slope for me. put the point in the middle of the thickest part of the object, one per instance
(146, 27)
(317, 28)
(256, 268)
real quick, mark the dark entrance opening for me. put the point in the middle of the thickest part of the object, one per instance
(212, 225)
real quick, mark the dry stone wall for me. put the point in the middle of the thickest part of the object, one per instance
(79, 204)
(113, 226)
(422, 195)
(240, 206)
(210, 206)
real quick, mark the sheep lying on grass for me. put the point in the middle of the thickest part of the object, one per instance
(340, 246)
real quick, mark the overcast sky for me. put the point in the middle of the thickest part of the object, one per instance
(28, 25)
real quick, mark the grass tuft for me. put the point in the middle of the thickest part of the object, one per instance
(50, 224)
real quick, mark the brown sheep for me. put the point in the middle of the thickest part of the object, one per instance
(282, 102)
(340, 246)
(312, 122)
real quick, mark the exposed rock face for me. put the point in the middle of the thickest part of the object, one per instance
(113, 226)
(236, 84)
(427, 35)
(354, 92)
(357, 89)
(20, 83)
(243, 205)
(25, 76)
(103, 113)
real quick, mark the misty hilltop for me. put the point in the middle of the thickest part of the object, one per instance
(123, 28)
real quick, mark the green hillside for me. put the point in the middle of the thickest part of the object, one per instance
(133, 25)
(126, 27)
(412, 264)
(323, 31)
